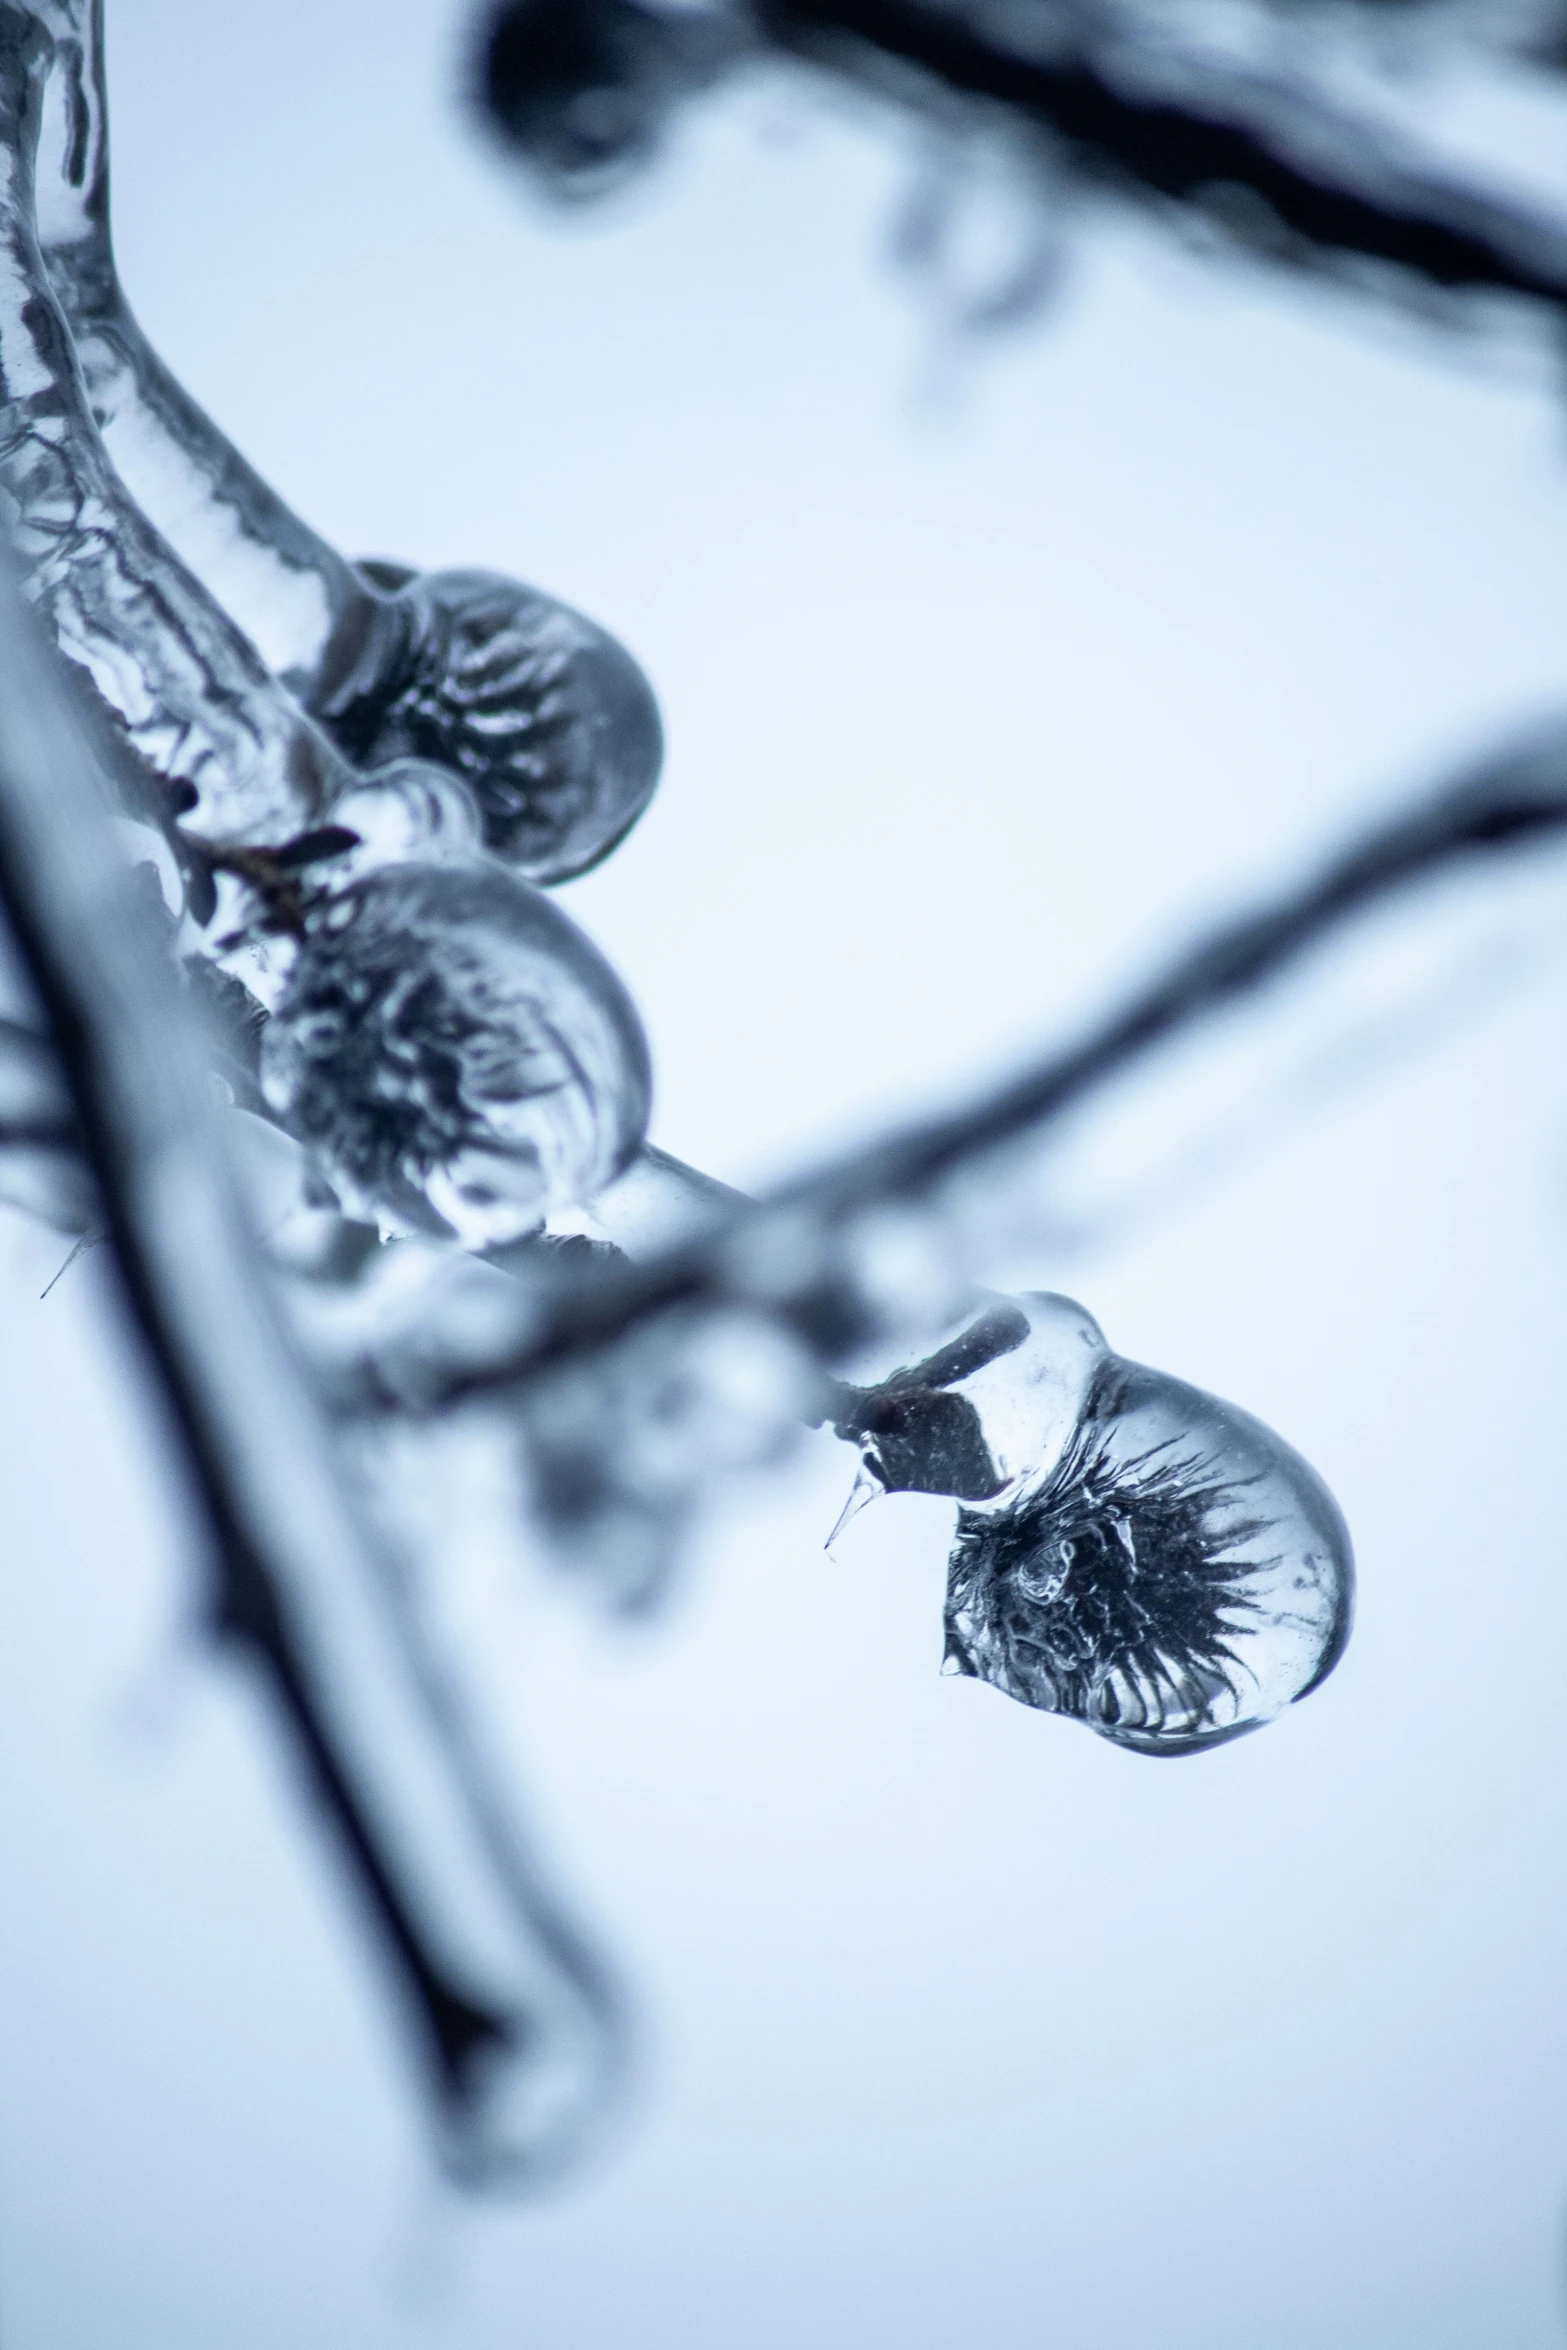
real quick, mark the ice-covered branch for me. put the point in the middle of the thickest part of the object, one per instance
(541, 714)
(220, 746)
(520, 2033)
(285, 586)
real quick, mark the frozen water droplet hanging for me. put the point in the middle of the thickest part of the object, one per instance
(1130, 1551)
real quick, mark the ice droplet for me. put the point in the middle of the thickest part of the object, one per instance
(1131, 1551)
(547, 720)
(455, 1054)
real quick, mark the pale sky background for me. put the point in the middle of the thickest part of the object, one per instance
(985, 680)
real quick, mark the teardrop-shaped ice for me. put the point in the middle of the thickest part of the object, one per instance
(1132, 1552)
(455, 1054)
(541, 713)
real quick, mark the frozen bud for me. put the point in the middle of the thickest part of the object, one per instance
(1132, 1552)
(455, 1054)
(542, 715)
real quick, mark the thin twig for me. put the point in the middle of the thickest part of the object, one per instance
(1185, 131)
(791, 1251)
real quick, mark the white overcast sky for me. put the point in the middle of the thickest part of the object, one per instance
(985, 680)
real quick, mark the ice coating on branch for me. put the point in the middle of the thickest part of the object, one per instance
(219, 745)
(455, 1054)
(544, 716)
(1131, 1551)
(546, 719)
(457, 1060)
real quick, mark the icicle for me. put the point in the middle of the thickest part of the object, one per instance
(1131, 1552)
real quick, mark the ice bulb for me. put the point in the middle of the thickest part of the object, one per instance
(455, 1054)
(546, 719)
(1130, 1551)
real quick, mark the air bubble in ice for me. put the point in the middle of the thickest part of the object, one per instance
(1130, 1551)
(546, 719)
(455, 1054)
